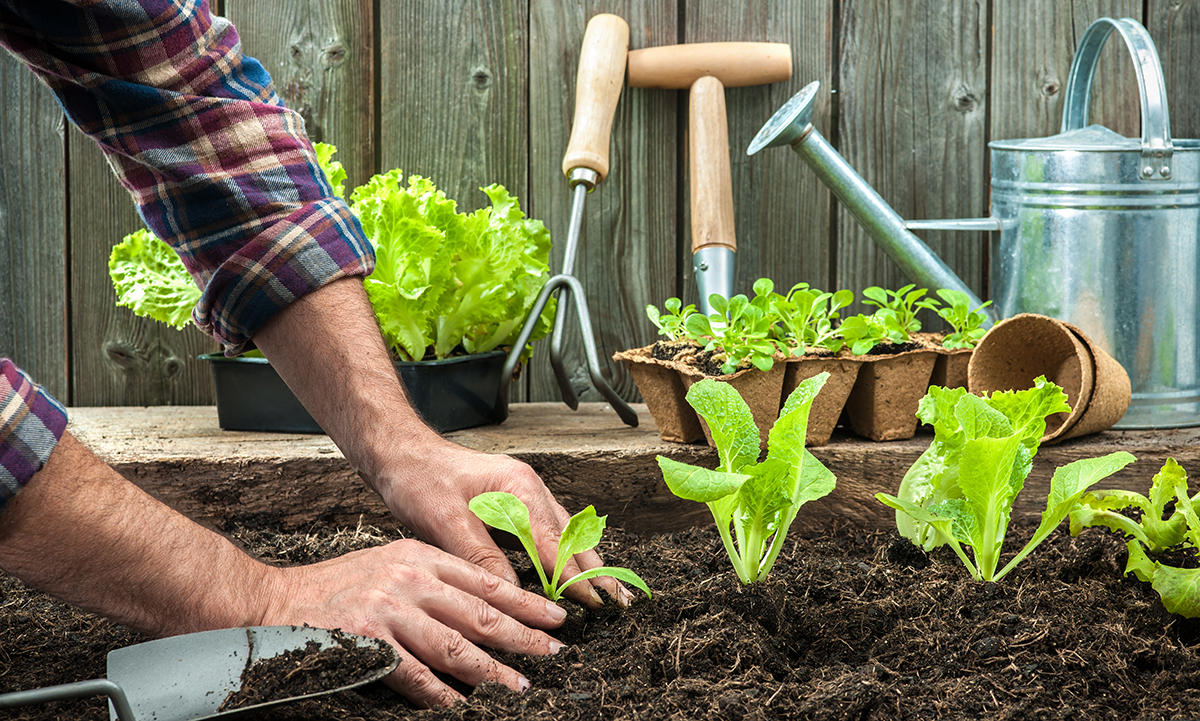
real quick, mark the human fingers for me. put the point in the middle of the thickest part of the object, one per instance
(548, 523)
(591, 559)
(416, 682)
(511, 600)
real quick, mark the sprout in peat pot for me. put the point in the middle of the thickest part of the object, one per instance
(759, 500)
(672, 324)
(962, 489)
(1179, 588)
(506, 512)
(966, 325)
(740, 329)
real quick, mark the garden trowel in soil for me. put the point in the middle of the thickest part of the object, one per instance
(707, 69)
(597, 88)
(188, 677)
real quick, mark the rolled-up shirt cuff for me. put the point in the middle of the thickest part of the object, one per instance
(31, 424)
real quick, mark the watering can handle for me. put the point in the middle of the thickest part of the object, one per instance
(1156, 127)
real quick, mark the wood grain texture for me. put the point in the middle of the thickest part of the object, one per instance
(116, 357)
(1175, 27)
(33, 233)
(781, 210)
(320, 53)
(627, 253)
(912, 106)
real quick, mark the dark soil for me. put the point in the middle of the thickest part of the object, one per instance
(893, 348)
(310, 670)
(850, 625)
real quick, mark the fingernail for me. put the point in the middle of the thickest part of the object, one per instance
(556, 646)
(596, 597)
(624, 597)
(523, 684)
(556, 612)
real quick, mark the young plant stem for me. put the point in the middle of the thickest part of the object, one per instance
(734, 557)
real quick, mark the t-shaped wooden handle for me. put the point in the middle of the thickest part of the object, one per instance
(734, 64)
(597, 88)
(711, 181)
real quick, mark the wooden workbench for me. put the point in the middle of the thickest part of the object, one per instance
(178, 454)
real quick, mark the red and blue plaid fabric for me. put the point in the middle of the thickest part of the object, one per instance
(31, 422)
(219, 168)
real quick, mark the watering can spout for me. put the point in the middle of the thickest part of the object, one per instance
(792, 125)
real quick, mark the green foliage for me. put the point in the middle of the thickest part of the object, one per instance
(445, 279)
(807, 316)
(151, 280)
(962, 489)
(1179, 588)
(901, 307)
(673, 323)
(759, 501)
(739, 329)
(506, 512)
(965, 323)
(334, 172)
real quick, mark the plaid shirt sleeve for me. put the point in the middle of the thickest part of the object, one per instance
(31, 422)
(219, 168)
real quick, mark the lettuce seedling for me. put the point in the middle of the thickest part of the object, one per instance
(506, 512)
(673, 323)
(901, 306)
(151, 280)
(758, 501)
(961, 491)
(807, 317)
(1151, 529)
(965, 324)
(739, 329)
(1179, 588)
(864, 332)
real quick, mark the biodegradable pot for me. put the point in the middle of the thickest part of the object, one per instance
(950, 369)
(761, 390)
(827, 406)
(1018, 350)
(663, 391)
(450, 394)
(883, 403)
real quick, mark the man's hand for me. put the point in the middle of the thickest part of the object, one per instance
(430, 606)
(327, 347)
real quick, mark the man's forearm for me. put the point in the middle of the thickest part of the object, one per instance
(83, 533)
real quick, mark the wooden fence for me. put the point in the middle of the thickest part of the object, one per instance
(470, 92)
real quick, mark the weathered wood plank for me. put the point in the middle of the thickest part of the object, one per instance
(628, 243)
(586, 457)
(33, 233)
(320, 53)
(781, 209)
(116, 357)
(1175, 27)
(912, 107)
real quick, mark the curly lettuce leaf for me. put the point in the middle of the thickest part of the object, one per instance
(151, 280)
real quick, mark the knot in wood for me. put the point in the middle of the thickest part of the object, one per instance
(481, 78)
(121, 354)
(334, 55)
(1050, 86)
(965, 99)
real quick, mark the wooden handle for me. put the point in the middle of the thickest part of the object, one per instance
(711, 182)
(597, 87)
(734, 64)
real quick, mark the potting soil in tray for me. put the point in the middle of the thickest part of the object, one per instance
(851, 625)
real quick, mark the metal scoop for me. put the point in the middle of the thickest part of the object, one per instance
(186, 678)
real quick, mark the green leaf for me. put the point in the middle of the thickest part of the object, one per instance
(506, 512)
(987, 484)
(1027, 409)
(583, 533)
(151, 280)
(730, 421)
(621, 574)
(334, 172)
(702, 485)
(1179, 589)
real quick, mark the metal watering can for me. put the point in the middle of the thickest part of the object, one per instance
(1095, 229)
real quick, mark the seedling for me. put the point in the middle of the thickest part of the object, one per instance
(506, 512)
(864, 332)
(672, 323)
(1179, 588)
(737, 328)
(758, 501)
(807, 316)
(965, 323)
(961, 491)
(903, 305)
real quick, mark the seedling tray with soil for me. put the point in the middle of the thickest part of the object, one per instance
(851, 624)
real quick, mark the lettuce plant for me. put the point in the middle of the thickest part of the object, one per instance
(752, 503)
(961, 491)
(901, 306)
(1179, 588)
(965, 323)
(151, 280)
(443, 278)
(807, 317)
(673, 323)
(506, 512)
(863, 332)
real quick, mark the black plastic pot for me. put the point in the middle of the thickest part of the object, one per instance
(450, 394)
